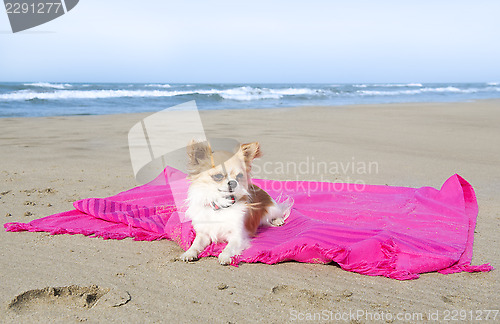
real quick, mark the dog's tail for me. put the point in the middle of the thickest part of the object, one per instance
(285, 205)
(279, 212)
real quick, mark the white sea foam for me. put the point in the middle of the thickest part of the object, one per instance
(299, 91)
(398, 85)
(385, 93)
(418, 91)
(49, 85)
(493, 83)
(250, 93)
(240, 94)
(243, 93)
(78, 94)
(155, 85)
(247, 94)
(388, 85)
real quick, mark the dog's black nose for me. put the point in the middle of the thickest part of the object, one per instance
(232, 184)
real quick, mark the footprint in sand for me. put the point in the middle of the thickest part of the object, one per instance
(306, 298)
(70, 297)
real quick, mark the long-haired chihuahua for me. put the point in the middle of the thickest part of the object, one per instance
(223, 204)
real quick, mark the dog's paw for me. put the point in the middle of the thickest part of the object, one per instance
(189, 255)
(277, 221)
(224, 258)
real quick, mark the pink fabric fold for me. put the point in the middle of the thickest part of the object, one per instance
(396, 232)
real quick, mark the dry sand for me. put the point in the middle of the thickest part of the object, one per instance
(47, 163)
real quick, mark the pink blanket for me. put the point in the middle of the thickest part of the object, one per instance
(395, 232)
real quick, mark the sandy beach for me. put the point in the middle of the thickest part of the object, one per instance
(48, 163)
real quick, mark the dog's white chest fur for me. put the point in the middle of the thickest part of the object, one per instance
(219, 224)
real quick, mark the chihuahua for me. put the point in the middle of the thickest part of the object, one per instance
(223, 204)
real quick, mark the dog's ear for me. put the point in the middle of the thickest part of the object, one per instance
(197, 153)
(250, 152)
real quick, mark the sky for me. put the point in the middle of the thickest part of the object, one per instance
(259, 42)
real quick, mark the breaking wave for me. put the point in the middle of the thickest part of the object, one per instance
(49, 85)
(239, 93)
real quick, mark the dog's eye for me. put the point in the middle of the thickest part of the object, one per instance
(239, 176)
(218, 177)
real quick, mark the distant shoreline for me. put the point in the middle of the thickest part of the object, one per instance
(37, 99)
(396, 105)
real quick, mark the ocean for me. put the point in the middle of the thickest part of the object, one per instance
(34, 99)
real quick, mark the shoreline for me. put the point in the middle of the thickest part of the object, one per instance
(49, 162)
(374, 105)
